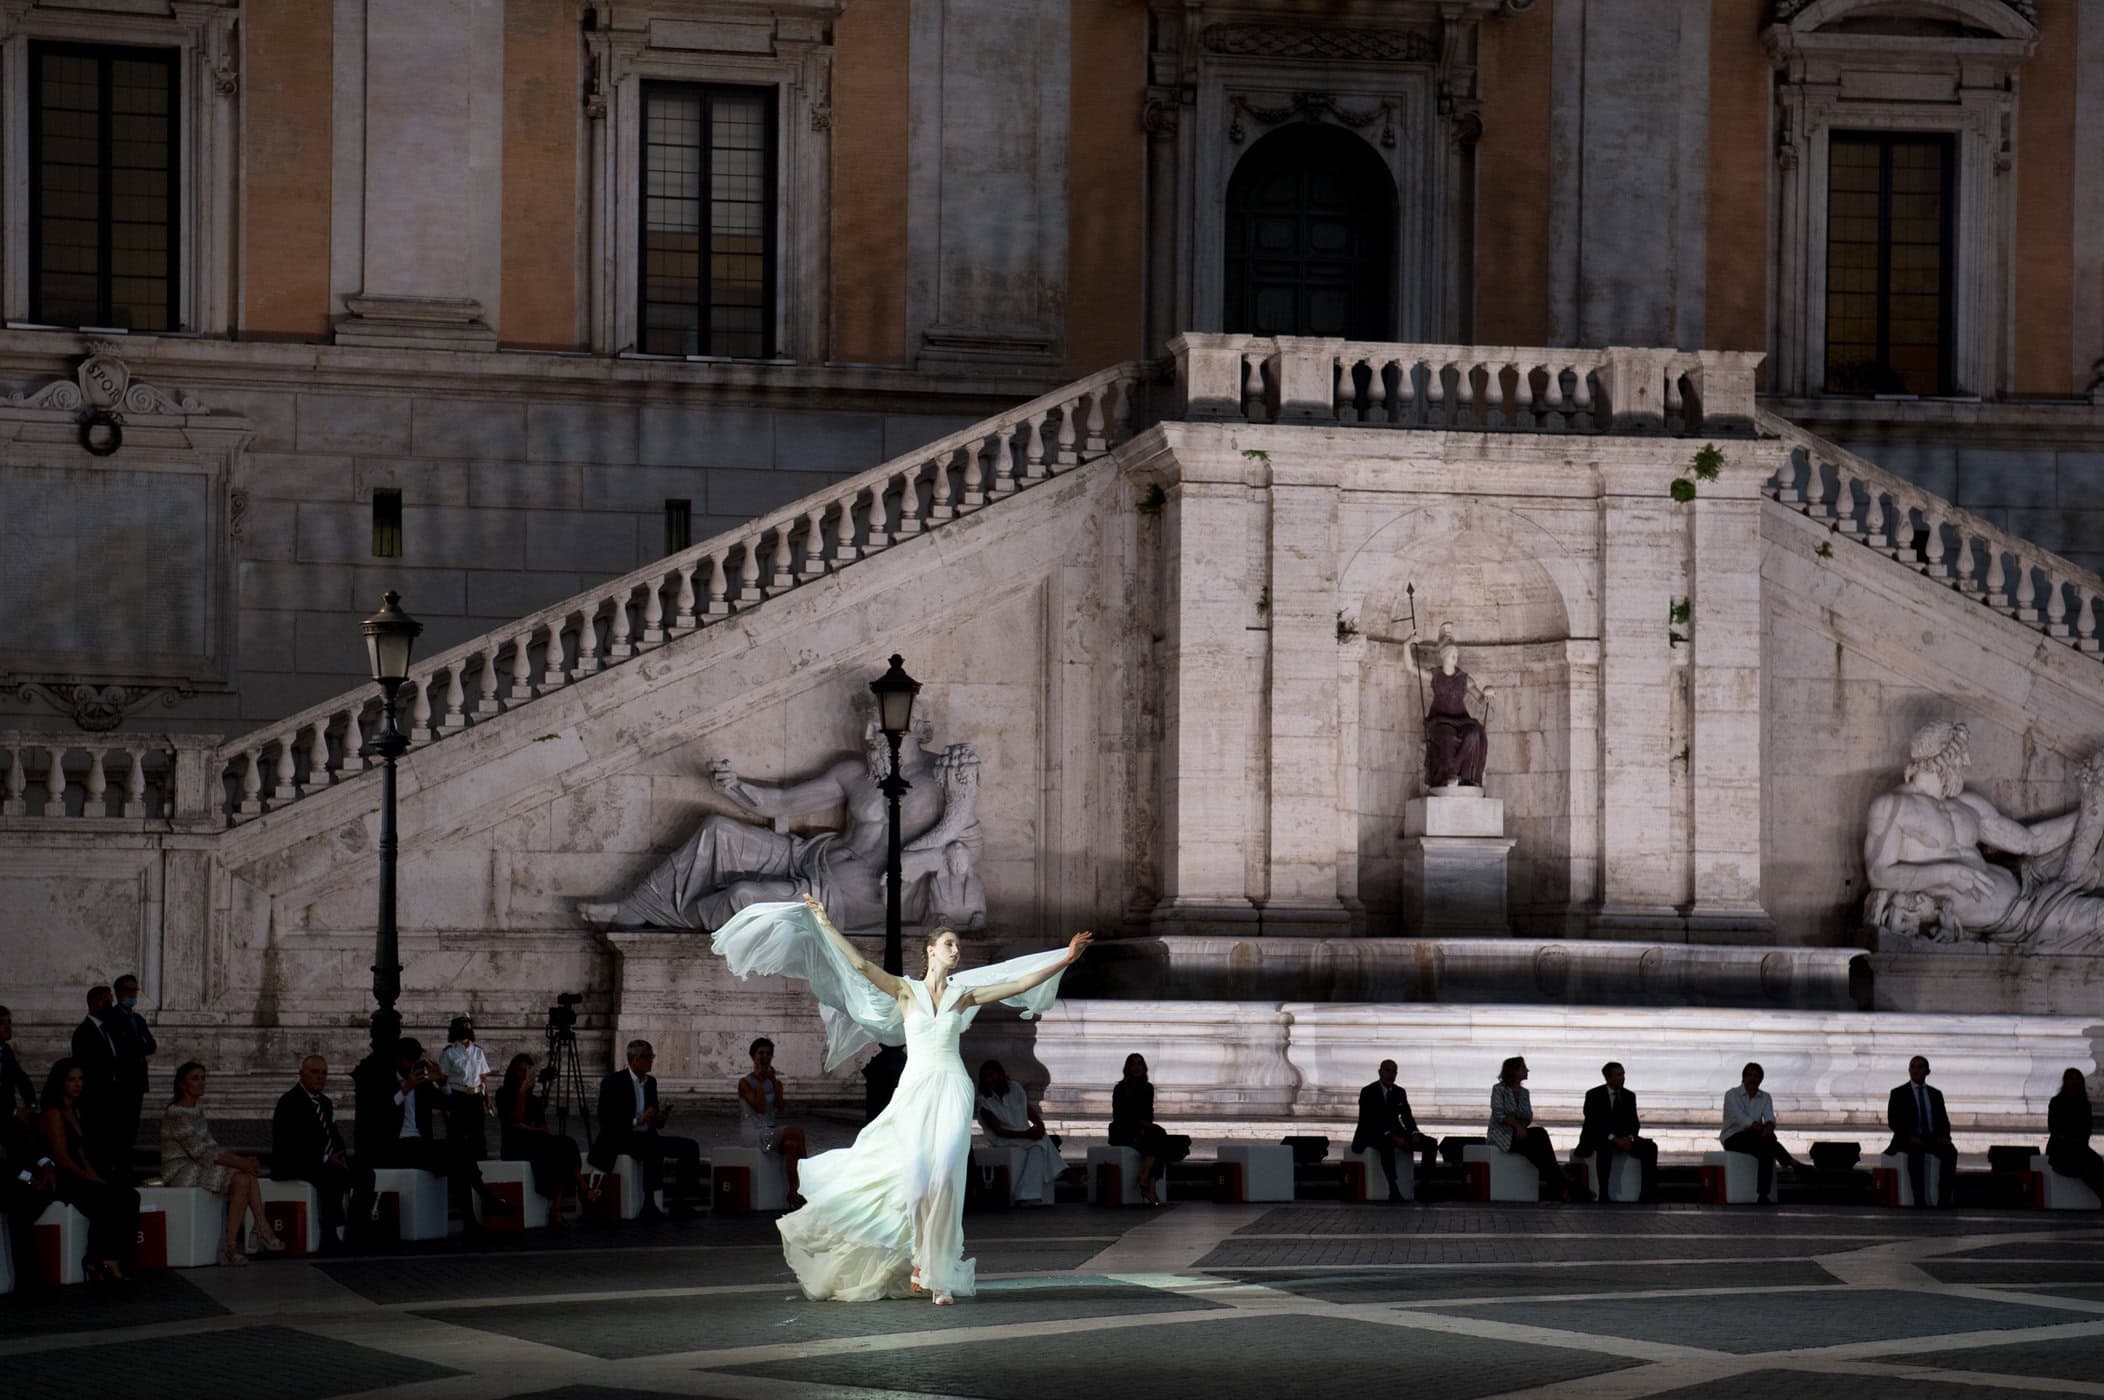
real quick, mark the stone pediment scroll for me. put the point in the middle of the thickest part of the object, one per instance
(103, 381)
(1930, 879)
(732, 862)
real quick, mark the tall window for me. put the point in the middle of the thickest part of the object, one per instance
(708, 224)
(102, 186)
(1888, 264)
(1310, 237)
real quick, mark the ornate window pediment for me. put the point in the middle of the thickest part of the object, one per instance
(1911, 17)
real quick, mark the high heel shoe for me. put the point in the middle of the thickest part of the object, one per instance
(231, 1255)
(270, 1241)
(943, 1299)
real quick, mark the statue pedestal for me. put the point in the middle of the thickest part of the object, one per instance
(1454, 850)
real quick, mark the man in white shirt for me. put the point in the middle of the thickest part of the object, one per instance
(1920, 1129)
(1749, 1127)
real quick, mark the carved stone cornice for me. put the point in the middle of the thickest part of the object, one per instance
(102, 381)
(1787, 10)
(98, 709)
(1311, 107)
(1319, 43)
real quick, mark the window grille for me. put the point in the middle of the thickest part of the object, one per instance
(708, 220)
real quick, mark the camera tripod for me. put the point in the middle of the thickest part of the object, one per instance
(562, 1081)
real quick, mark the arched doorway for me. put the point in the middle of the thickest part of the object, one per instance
(1311, 217)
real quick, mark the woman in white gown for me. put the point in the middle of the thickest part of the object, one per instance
(885, 1217)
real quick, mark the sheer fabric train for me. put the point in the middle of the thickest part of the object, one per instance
(892, 1203)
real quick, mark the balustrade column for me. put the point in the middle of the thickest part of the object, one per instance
(97, 786)
(17, 782)
(135, 784)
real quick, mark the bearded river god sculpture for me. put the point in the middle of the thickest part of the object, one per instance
(1929, 878)
(731, 863)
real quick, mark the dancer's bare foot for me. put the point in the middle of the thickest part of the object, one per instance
(914, 1283)
(943, 1299)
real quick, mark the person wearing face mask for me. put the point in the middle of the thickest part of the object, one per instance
(135, 1049)
(467, 1073)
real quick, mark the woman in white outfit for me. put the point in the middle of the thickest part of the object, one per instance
(885, 1217)
(1010, 1121)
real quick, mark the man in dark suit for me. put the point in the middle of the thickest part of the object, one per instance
(1920, 1129)
(396, 1097)
(109, 1137)
(1386, 1123)
(1611, 1126)
(306, 1145)
(28, 1184)
(630, 1123)
(17, 1090)
(135, 1046)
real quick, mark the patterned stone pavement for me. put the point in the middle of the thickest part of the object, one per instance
(1448, 1300)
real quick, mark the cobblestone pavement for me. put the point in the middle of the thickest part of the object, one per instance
(1225, 1301)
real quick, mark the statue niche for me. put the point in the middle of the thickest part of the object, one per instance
(1929, 877)
(731, 863)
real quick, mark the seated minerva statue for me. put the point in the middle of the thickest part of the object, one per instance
(731, 863)
(1928, 875)
(1456, 743)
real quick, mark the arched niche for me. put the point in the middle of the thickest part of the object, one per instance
(1510, 593)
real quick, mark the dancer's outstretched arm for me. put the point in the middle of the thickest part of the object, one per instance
(1002, 991)
(878, 977)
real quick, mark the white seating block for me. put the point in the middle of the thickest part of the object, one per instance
(423, 1200)
(1267, 1169)
(1127, 1161)
(72, 1228)
(2057, 1192)
(302, 1192)
(770, 1179)
(1511, 1176)
(1742, 1175)
(533, 1206)
(196, 1222)
(988, 1155)
(1628, 1184)
(1931, 1174)
(1377, 1180)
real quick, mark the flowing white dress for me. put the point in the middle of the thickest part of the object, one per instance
(893, 1203)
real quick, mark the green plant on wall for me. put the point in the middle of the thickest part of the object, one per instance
(1703, 466)
(1346, 629)
(1264, 601)
(1153, 502)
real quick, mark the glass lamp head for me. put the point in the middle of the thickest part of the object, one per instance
(895, 691)
(390, 637)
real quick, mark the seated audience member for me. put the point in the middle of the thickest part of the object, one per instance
(190, 1157)
(112, 1210)
(523, 1135)
(17, 1094)
(1512, 1129)
(1132, 1125)
(1612, 1126)
(631, 1123)
(1921, 1129)
(2068, 1125)
(1749, 1127)
(399, 1101)
(306, 1145)
(1386, 1123)
(28, 1186)
(1006, 1113)
(759, 1112)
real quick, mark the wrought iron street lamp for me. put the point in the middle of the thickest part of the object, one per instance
(895, 691)
(390, 637)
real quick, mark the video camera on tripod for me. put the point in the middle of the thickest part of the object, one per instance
(562, 1076)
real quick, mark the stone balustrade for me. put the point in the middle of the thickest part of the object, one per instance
(1464, 388)
(159, 778)
(615, 622)
(1940, 541)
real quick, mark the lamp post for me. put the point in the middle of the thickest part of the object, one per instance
(895, 691)
(390, 636)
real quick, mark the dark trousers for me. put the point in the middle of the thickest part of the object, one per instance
(463, 1177)
(331, 1184)
(1646, 1153)
(2083, 1164)
(553, 1157)
(1384, 1149)
(1767, 1151)
(1534, 1145)
(113, 1217)
(652, 1150)
(109, 1122)
(1918, 1169)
